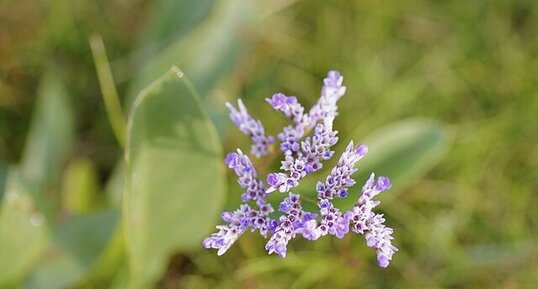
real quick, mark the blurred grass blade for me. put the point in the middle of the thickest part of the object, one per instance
(172, 19)
(23, 234)
(403, 151)
(3, 172)
(204, 54)
(268, 8)
(77, 246)
(175, 182)
(256, 267)
(51, 132)
(115, 185)
(108, 88)
(80, 189)
(315, 273)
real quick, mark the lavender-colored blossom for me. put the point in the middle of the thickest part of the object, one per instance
(365, 221)
(250, 127)
(331, 92)
(289, 139)
(292, 223)
(247, 176)
(289, 106)
(318, 147)
(325, 108)
(227, 235)
(338, 182)
(333, 222)
(245, 217)
(254, 190)
(313, 150)
(301, 157)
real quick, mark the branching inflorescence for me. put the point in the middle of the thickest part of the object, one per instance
(302, 156)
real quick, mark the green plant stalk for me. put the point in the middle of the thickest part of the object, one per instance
(108, 88)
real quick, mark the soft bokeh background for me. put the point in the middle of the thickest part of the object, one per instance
(459, 76)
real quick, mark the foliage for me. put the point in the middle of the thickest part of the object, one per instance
(450, 85)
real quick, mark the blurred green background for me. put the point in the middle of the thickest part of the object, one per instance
(445, 93)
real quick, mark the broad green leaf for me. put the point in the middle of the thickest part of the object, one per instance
(23, 233)
(121, 280)
(207, 53)
(77, 246)
(175, 181)
(51, 132)
(111, 261)
(172, 19)
(403, 151)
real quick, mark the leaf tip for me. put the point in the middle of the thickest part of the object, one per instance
(177, 71)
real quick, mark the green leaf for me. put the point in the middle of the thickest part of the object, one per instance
(51, 132)
(172, 19)
(175, 183)
(403, 151)
(23, 234)
(77, 246)
(207, 53)
(111, 262)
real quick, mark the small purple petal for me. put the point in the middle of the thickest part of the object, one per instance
(383, 183)
(362, 149)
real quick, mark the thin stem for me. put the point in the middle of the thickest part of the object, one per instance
(108, 88)
(309, 200)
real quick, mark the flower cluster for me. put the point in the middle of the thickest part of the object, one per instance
(245, 217)
(302, 155)
(250, 127)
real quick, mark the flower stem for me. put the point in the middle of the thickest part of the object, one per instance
(309, 200)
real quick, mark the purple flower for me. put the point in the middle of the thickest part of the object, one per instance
(318, 147)
(295, 221)
(333, 222)
(289, 139)
(247, 176)
(325, 109)
(288, 105)
(238, 222)
(250, 127)
(365, 221)
(302, 155)
(338, 182)
(331, 92)
(307, 160)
